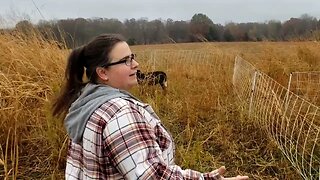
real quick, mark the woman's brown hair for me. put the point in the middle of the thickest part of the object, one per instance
(83, 59)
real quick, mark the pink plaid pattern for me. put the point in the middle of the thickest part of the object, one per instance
(122, 140)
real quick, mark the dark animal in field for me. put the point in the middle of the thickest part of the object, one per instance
(153, 78)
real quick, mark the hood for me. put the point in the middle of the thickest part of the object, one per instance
(92, 97)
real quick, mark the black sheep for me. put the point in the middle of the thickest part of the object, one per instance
(153, 78)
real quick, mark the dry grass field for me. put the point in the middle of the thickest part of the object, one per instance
(200, 108)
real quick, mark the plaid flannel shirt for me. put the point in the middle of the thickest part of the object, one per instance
(122, 140)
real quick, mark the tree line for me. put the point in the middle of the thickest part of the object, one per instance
(200, 28)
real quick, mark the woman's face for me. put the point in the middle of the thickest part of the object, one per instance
(121, 76)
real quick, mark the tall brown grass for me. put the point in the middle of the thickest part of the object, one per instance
(200, 110)
(31, 70)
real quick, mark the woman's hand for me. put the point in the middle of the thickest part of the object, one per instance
(222, 170)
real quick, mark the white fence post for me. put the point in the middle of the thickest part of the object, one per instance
(154, 54)
(288, 90)
(252, 92)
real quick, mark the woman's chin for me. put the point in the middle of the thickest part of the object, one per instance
(133, 84)
(135, 81)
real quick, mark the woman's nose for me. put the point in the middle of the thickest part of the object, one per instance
(135, 63)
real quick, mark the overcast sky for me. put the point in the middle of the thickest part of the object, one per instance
(219, 11)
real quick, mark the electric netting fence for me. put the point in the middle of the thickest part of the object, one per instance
(291, 121)
(163, 59)
(306, 84)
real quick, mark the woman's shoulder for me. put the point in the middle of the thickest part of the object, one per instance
(120, 104)
(125, 102)
(133, 111)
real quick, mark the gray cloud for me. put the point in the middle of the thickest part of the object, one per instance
(220, 11)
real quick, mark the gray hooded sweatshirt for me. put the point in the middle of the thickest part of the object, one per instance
(92, 97)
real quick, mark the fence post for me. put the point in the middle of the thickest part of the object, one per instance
(154, 54)
(235, 70)
(288, 90)
(252, 92)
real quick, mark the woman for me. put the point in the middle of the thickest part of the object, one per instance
(113, 134)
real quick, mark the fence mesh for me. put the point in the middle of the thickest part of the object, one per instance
(291, 121)
(163, 59)
(306, 84)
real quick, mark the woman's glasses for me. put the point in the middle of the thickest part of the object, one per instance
(127, 60)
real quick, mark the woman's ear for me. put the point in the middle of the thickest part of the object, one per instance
(102, 73)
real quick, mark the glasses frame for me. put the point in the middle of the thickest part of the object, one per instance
(127, 60)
